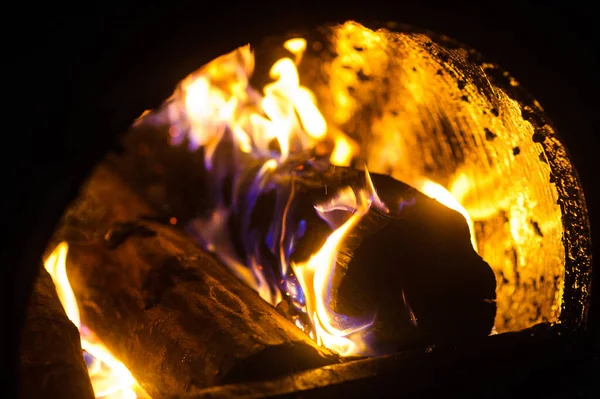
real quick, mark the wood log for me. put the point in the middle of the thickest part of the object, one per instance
(414, 266)
(167, 309)
(51, 359)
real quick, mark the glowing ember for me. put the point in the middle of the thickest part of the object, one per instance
(245, 133)
(110, 378)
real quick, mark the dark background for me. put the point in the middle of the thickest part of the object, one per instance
(69, 62)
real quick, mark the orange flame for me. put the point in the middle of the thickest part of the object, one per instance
(110, 378)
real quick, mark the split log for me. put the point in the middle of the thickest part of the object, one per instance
(414, 266)
(51, 359)
(168, 310)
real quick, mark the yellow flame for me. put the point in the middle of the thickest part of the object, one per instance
(297, 47)
(342, 152)
(287, 90)
(315, 276)
(218, 98)
(110, 378)
(446, 198)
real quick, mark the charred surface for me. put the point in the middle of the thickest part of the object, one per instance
(51, 360)
(418, 258)
(414, 266)
(175, 317)
(168, 177)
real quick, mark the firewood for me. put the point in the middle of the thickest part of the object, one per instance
(414, 267)
(51, 359)
(166, 308)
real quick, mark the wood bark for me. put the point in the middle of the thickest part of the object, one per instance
(167, 309)
(414, 267)
(51, 359)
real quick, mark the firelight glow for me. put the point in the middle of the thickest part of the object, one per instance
(216, 106)
(110, 378)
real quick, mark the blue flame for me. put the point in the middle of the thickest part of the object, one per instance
(404, 203)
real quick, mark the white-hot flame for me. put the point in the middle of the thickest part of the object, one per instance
(110, 378)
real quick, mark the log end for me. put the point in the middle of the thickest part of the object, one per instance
(417, 270)
(51, 360)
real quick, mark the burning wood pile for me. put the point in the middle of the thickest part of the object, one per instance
(239, 237)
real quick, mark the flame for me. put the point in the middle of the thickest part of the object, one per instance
(297, 47)
(218, 99)
(345, 335)
(216, 105)
(286, 90)
(449, 199)
(342, 152)
(110, 378)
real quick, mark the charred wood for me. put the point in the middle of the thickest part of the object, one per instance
(167, 309)
(51, 359)
(414, 266)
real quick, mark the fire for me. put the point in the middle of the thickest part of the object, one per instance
(337, 332)
(449, 199)
(218, 98)
(216, 106)
(110, 378)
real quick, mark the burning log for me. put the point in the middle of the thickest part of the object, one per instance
(413, 266)
(51, 359)
(415, 258)
(408, 259)
(174, 316)
(247, 175)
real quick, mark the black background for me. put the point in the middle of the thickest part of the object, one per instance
(551, 49)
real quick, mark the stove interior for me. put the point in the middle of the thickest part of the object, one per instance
(387, 100)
